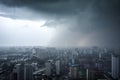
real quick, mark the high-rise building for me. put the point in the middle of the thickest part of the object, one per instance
(57, 64)
(115, 67)
(48, 66)
(14, 75)
(18, 72)
(77, 72)
(28, 72)
(90, 74)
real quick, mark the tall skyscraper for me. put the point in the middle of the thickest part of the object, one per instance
(18, 72)
(77, 72)
(28, 72)
(73, 71)
(48, 66)
(115, 67)
(90, 74)
(57, 64)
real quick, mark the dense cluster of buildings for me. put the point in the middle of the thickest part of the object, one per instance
(38, 63)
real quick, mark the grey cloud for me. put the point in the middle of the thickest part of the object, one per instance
(63, 6)
(94, 20)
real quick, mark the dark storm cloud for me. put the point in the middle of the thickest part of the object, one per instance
(96, 21)
(58, 7)
(63, 6)
(99, 12)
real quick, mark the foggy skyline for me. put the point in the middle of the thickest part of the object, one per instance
(60, 23)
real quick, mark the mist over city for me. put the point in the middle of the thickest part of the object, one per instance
(59, 40)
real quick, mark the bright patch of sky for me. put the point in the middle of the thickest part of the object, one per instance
(15, 32)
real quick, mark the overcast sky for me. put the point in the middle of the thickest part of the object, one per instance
(60, 23)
